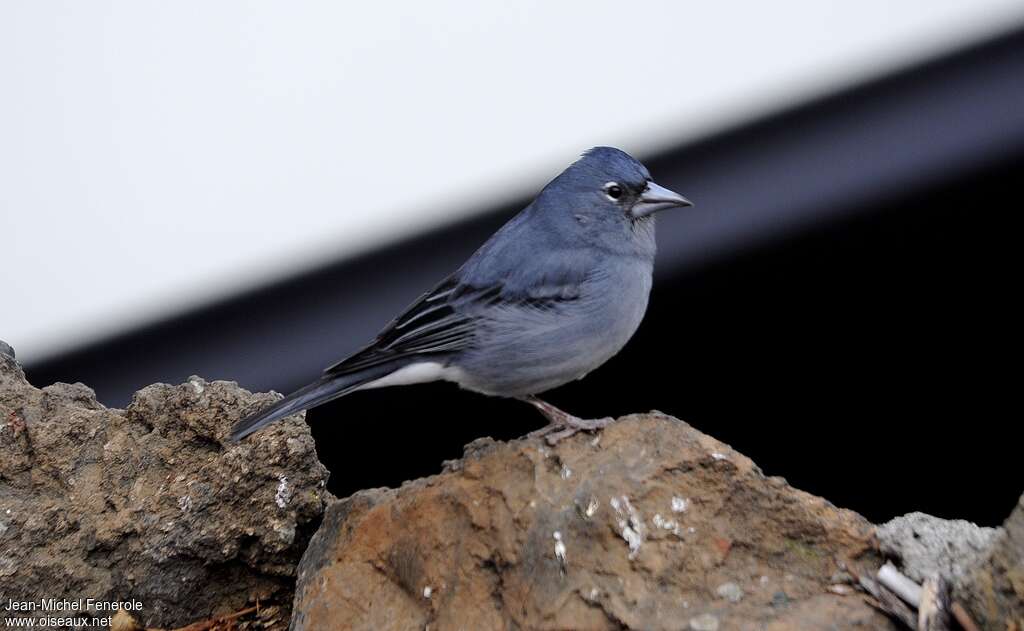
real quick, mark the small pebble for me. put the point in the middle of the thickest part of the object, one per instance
(704, 622)
(780, 599)
(427, 591)
(840, 590)
(730, 591)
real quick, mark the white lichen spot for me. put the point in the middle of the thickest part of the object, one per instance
(719, 456)
(185, 503)
(763, 580)
(730, 591)
(594, 593)
(596, 441)
(559, 547)
(631, 525)
(670, 525)
(285, 531)
(633, 539)
(704, 622)
(533, 503)
(691, 530)
(544, 452)
(284, 492)
(566, 472)
(680, 504)
(198, 387)
(592, 507)
(427, 591)
(686, 604)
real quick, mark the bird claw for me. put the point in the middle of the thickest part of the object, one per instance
(558, 430)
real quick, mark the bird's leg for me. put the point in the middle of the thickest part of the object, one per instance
(561, 424)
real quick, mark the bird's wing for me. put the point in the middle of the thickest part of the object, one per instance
(447, 318)
(429, 326)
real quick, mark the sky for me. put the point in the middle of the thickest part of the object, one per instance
(156, 156)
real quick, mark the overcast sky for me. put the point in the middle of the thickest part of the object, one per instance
(157, 155)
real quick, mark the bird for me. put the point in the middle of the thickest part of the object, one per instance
(553, 294)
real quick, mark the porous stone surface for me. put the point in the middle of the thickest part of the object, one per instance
(635, 528)
(927, 546)
(5, 349)
(992, 589)
(149, 503)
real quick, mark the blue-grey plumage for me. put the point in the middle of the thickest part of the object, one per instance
(552, 295)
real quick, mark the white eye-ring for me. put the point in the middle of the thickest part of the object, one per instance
(613, 190)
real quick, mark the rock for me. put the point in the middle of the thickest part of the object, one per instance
(149, 503)
(475, 547)
(993, 588)
(6, 349)
(928, 546)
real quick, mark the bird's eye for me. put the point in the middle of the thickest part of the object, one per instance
(613, 190)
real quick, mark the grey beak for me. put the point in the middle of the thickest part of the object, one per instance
(655, 198)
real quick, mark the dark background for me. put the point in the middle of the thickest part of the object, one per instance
(841, 306)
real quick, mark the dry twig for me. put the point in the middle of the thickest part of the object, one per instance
(206, 625)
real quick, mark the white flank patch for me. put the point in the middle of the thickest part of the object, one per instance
(422, 372)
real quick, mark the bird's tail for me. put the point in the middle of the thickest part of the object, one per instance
(324, 389)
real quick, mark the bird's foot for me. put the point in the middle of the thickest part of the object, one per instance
(561, 424)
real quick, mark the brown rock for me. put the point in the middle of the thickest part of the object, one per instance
(148, 503)
(634, 529)
(993, 590)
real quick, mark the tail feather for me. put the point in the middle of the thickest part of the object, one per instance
(327, 388)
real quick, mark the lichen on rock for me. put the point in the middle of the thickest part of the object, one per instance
(150, 503)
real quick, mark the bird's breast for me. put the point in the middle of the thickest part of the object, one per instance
(527, 351)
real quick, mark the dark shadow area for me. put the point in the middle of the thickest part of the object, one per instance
(870, 362)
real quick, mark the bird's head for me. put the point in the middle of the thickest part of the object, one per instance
(609, 183)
